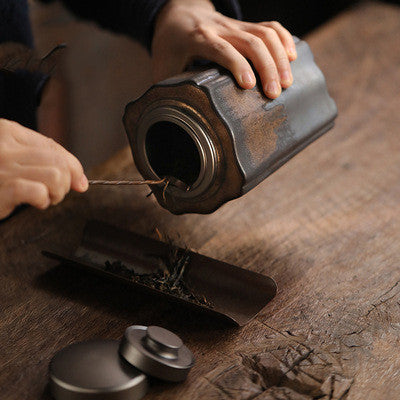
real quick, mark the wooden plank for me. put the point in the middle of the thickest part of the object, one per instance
(325, 226)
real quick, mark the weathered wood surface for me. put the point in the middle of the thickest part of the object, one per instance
(326, 226)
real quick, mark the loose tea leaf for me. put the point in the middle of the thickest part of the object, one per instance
(168, 279)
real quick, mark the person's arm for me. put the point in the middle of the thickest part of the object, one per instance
(180, 31)
(134, 17)
(33, 168)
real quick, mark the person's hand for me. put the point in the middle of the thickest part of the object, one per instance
(34, 169)
(186, 30)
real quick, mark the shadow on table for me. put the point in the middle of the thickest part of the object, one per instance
(46, 394)
(90, 290)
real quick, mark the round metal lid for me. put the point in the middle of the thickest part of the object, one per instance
(94, 370)
(157, 352)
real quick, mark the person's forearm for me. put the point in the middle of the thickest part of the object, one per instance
(203, 3)
(132, 17)
(135, 17)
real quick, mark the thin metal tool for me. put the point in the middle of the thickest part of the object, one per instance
(128, 182)
(166, 181)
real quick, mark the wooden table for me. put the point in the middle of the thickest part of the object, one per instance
(326, 227)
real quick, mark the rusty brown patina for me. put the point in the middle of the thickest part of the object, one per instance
(200, 126)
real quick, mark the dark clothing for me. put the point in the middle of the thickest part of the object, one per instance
(14, 22)
(20, 91)
(20, 96)
(134, 17)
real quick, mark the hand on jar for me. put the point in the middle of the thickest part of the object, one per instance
(186, 30)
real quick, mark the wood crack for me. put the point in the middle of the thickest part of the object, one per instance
(382, 300)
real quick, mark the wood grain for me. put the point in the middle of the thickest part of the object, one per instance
(326, 226)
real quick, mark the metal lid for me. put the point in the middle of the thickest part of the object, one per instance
(157, 352)
(94, 370)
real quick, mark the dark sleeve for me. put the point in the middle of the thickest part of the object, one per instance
(19, 90)
(20, 93)
(14, 22)
(134, 17)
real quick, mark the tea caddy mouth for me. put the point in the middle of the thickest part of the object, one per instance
(176, 143)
